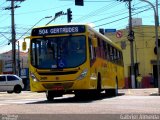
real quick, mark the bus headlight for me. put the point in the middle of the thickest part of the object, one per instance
(83, 74)
(33, 77)
(93, 76)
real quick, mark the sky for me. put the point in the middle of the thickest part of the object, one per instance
(107, 14)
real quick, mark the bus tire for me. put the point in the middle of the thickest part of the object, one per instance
(99, 84)
(9, 92)
(49, 96)
(81, 94)
(112, 92)
(116, 89)
(78, 94)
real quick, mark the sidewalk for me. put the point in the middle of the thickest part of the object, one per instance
(140, 92)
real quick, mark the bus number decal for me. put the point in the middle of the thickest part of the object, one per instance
(43, 31)
(55, 30)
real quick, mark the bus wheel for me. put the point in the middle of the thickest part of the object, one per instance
(49, 95)
(99, 84)
(116, 89)
(112, 92)
(80, 94)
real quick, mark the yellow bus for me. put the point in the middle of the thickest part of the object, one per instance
(73, 58)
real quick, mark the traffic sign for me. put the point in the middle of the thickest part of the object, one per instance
(119, 34)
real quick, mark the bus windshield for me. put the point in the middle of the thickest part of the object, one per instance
(58, 52)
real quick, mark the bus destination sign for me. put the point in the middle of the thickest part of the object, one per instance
(55, 30)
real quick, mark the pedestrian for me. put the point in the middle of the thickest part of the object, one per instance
(139, 81)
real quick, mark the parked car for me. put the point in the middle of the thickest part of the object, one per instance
(11, 83)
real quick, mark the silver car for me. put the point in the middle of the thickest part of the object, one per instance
(11, 83)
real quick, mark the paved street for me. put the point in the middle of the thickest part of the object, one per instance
(137, 101)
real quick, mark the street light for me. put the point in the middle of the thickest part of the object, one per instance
(56, 16)
(34, 25)
(156, 33)
(20, 38)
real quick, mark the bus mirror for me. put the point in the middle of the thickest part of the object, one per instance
(94, 42)
(24, 46)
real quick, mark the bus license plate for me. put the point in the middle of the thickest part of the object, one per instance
(58, 88)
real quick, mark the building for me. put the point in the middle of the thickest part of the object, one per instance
(6, 59)
(6, 65)
(145, 57)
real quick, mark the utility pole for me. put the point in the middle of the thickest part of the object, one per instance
(155, 8)
(157, 12)
(13, 33)
(131, 39)
(13, 38)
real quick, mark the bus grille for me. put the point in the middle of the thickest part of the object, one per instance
(50, 86)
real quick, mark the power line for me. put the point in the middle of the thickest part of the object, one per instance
(91, 14)
(118, 14)
(94, 12)
(100, 1)
(122, 18)
(39, 11)
(91, 0)
(108, 17)
(3, 3)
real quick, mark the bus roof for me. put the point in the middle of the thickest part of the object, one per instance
(72, 25)
(104, 37)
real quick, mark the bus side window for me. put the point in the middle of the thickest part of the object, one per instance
(108, 52)
(98, 49)
(99, 42)
(115, 55)
(118, 57)
(91, 50)
(105, 49)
